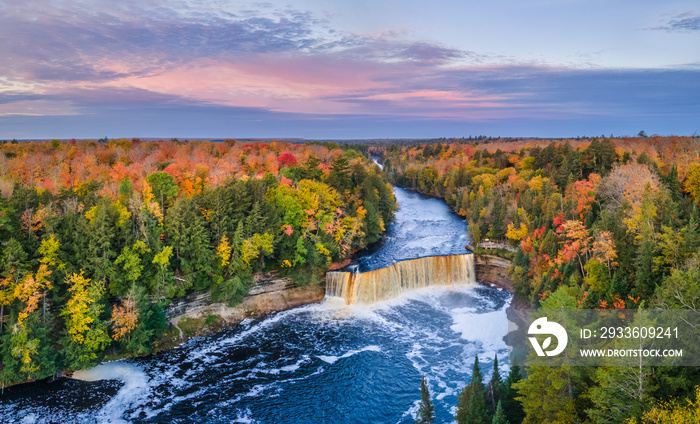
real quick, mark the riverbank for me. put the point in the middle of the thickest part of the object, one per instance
(493, 270)
(196, 314)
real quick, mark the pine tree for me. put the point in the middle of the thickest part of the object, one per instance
(547, 395)
(311, 171)
(426, 410)
(495, 388)
(471, 406)
(498, 218)
(499, 417)
(339, 175)
(101, 241)
(512, 407)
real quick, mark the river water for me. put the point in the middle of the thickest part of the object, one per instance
(321, 363)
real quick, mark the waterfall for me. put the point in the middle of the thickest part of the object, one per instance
(387, 283)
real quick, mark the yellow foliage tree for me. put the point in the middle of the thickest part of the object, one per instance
(516, 234)
(87, 335)
(687, 412)
(223, 251)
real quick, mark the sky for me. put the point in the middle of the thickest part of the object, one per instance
(337, 69)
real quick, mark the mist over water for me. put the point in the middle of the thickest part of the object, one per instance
(321, 363)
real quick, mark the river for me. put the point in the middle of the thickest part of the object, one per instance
(320, 363)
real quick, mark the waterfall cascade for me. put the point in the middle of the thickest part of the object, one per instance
(387, 283)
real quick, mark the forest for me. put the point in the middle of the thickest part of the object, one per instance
(600, 223)
(98, 236)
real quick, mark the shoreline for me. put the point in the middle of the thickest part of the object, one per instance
(196, 316)
(253, 307)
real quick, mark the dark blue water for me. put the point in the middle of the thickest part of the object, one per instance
(321, 363)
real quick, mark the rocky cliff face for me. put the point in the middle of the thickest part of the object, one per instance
(492, 269)
(267, 282)
(270, 293)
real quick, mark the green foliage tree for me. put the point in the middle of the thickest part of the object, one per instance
(339, 175)
(499, 417)
(471, 406)
(494, 391)
(426, 409)
(511, 406)
(163, 186)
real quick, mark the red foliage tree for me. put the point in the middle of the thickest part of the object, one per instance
(286, 160)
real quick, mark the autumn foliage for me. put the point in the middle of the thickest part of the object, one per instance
(591, 224)
(97, 237)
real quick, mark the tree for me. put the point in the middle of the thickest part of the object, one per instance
(512, 407)
(186, 228)
(494, 392)
(25, 345)
(547, 396)
(286, 160)
(339, 175)
(85, 334)
(604, 249)
(672, 412)
(124, 318)
(256, 246)
(692, 182)
(499, 417)
(620, 393)
(164, 284)
(471, 406)
(426, 409)
(163, 186)
(141, 321)
(101, 243)
(223, 251)
(132, 268)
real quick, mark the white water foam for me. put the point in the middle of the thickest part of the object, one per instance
(135, 387)
(488, 328)
(333, 359)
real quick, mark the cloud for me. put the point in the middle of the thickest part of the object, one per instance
(683, 22)
(131, 63)
(97, 42)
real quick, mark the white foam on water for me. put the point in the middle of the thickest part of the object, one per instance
(244, 417)
(29, 419)
(488, 328)
(333, 359)
(135, 388)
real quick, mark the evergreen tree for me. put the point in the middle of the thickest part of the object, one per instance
(499, 417)
(311, 171)
(184, 224)
(339, 175)
(101, 241)
(498, 220)
(495, 388)
(150, 325)
(512, 407)
(673, 184)
(547, 395)
(426, 409)
(471, 406)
